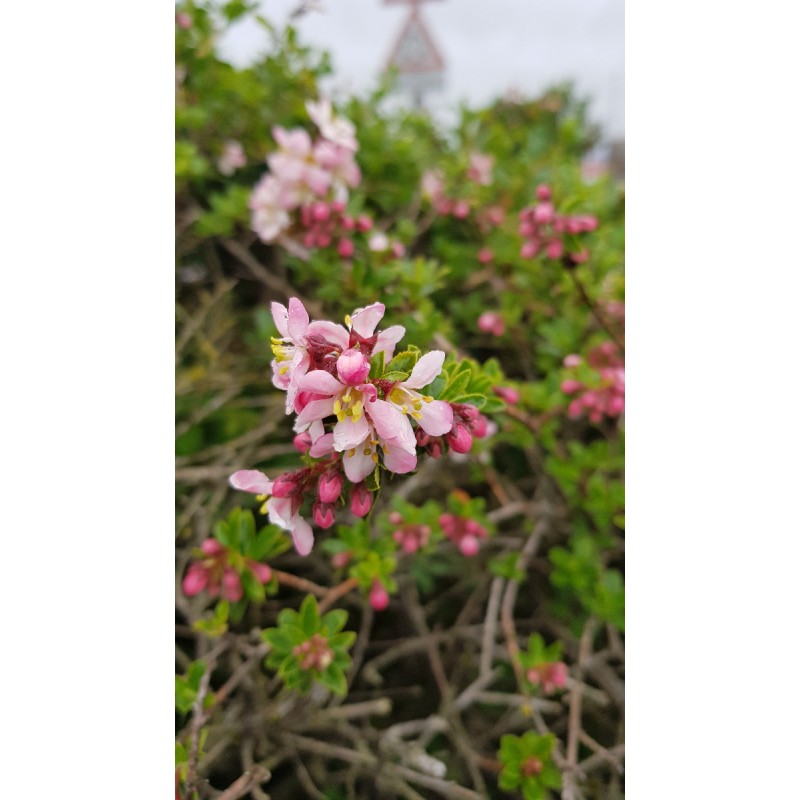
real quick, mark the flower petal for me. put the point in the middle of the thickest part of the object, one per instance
(302, 536)
(251, 480)
(397, 459)
(366, 319)
(316, 409)
(281, 317)
(332, 333)
(360, 464)
(348, 434)
(437, 417)
(425, 370)
(322, 446)
(280, 512)
(391, 423)
(388, 339)
(298, 319)
(320, 382)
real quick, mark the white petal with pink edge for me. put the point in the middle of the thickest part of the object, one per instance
(425, 370)
(365, 320)
(348, 433)
(437, 417)
(251, 480)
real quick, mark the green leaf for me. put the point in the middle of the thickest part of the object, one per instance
(253, 588)
(396, 375)
(377, 365)
(333, 678)
(334, 621)
(403, 362)
(457, 385)
(532, 789)
(309, 615)
(477, 400)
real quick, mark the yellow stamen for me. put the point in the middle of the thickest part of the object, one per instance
(263, 509)
(367, 451)
(375, 457)
(427, 398)
(416, 415)
(348, 320)
(351, 453)
(261, 498)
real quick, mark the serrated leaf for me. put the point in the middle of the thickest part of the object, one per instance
(457, 386)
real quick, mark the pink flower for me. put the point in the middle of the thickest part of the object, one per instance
(232, 158)
(511, 396)
(480, 168)
(435, 417)
(335, 129)
(433, 185)
(352, 367)
(485, 255)
(491, 322)
(283, 511)
(268, 217)
(463, 532)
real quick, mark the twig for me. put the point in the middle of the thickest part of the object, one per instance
(303, 585)
(332, 595)
(602, 321)
(490, 626)
(242, 785)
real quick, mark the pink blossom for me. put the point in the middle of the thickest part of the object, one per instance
(378, 242)
(352, 367)
(461, 209)
(492, 322)
(268, 217)
(507, 393)
(480, 168)
(346, 248)
(335, 129)
(232, 157)
(410, 537)
(433, 184)
(183, 19)
(485, 255)
(435, 417)
(360, 500)
(463, 532)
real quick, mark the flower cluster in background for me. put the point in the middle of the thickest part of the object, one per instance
(598, 383)
(306, 179)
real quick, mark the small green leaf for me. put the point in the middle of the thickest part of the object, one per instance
(403, 362)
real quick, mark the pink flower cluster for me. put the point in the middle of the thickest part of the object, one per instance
(479, 172)
(348, 423)
(463, 532)
(305, 173)
(544, 229)
(411, 537)
(215, 574)
(549, 676)
(605, 395)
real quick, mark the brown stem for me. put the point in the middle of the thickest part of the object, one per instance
(592, 306)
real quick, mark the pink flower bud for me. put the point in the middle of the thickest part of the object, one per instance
(543, 213)
(529, 249)
(378, 596)
(195, 580)
(526, 228)
(263, 572)
(448, 523)
(491, 322)
(348, 223)
(346, 248)
(337, 206)
(342, 559)
(485, 255)
(533, 676)
(616, 405)
(395, 517)
(459, 438)
(555, 249)
(360, 500)
(511, 396)
(570, 386)
(324, 240)
(211, 547)
(184, 20)
(231, 585)
(575, 409)
(352, 367)
(283, 485)
(398, 249)
(329, 487)
(364, 223)
(461, 209)
(479, 427)
(320, 212)
(557, 674)
(469, 545)
(302, 442)
(580, 257)
(435, 448)
(543, 192)
(573, 360)
(410, 544)
(531, 767)
(323, 515)
(588, 399)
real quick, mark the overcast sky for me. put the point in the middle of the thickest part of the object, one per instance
(489, 46)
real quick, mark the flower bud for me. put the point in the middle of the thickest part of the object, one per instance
(491, 322)
(364, 223)
(479, 427)
(572, 360)
(555, 249)
(459, 438)
(342, 559)
(378, 596)
(283, 485)
(485, 255)
(570, 386)
(511, 396)
(231, 585)
(469, 545)
(529, 249)
(352, 367)
(263, 572)
(543, 213)
(395, 517)
(323, 515)
(211, 547)
(434, 448)
(329, 487)
(320, 212)
(461, 209)
(346, 248)
(360, 500)
(543, 192)
(557, 674)
(302, 442)
(195, 580)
